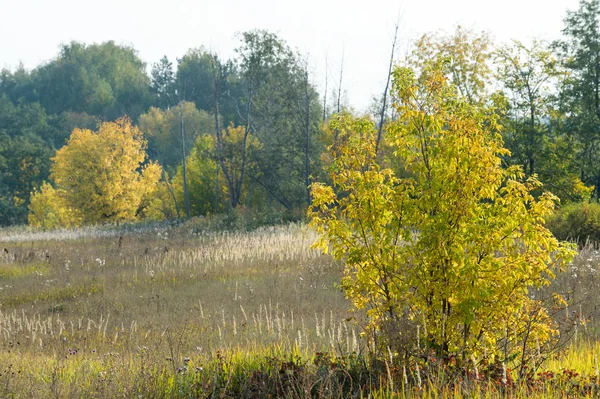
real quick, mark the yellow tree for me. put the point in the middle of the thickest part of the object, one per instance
(453, 246)
(172, 134)
(202, 175)
(467, 55)
(49, 209)
(104, 175)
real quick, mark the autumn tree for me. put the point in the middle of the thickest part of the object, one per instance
(467, 55)
(172, 133)
(202, 174)
(50, 209)
(450, 250)
(103, 175)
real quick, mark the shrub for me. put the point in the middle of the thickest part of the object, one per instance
(577, 221)
(456, 245)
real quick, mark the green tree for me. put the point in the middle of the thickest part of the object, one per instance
(163, 83)
(25, 151)
(282, 110)
(580, 55)
(24, 165)
(17, 86)
(105, 80)
(238, 153)
(163, 130)
(452, 248)
(202, 175)
(530, 77)
(194, 79)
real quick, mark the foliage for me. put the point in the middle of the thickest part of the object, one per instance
(239, 157)
(194, 78)
(103, 175)
(274, 96)
(163, 130)
(467, 55)
(202, 183)
(49, 209)
(576, 221)
(578, 51)
(24, 165)
(551, 116)
(105, 79)
(454, 247)
(163, 79)
(530, 76)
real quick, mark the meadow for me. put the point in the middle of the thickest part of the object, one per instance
(158, 311)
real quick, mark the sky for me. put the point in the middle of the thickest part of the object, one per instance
(31, 31)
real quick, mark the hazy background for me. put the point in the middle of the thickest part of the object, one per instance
(32, 30)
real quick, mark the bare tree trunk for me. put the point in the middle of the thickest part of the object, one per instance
(185, 185)
(385, 92)
(217, 189)
(221, 159)
(250, 194)
(170, 190)
(339, 96)
(307, 139)
(244, 153)
(325, 92)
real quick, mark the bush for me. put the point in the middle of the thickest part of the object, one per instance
(454, 245)
(577, 221)
(245, 219)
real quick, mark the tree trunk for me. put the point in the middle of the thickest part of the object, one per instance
(170, 190)
(185, 186)
(221, 159)
(307, 141)
(385, 92)
(325, 92)
(339, 107)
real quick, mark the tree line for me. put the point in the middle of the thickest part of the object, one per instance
(209, 135)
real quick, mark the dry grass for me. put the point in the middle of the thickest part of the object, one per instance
(162, 294)
(154, 311)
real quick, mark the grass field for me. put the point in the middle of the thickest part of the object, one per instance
(185, 312)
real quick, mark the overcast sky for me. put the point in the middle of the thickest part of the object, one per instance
(32, 30)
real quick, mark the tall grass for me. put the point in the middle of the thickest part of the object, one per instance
(181, 311)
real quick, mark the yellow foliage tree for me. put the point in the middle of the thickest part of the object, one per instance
(453, 247)
(103, 175)
(202, 179)
(49, 209)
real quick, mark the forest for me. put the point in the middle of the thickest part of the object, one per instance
(205, 135)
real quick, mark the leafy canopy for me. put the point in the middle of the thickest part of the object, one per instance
(454, 246)
(102, 175)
